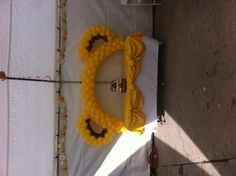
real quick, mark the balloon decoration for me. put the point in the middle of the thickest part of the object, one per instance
(92, 112)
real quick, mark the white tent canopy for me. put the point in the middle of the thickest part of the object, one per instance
(28, 43)
(27, 111)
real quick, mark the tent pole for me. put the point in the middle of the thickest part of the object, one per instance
(4, 77)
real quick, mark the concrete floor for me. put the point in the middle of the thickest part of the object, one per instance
(198, 97)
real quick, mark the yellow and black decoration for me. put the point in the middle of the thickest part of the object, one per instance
(134, 118)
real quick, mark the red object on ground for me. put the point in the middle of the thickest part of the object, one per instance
(153, 154)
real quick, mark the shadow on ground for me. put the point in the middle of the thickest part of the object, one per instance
(125, 169)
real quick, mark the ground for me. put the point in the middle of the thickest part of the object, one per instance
(198, 87)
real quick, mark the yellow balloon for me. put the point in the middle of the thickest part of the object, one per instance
(93, 59)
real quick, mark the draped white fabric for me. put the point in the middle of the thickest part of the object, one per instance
(27, 113)
(27, 109)
(126, 154)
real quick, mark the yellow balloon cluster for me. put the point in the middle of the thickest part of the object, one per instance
(91, 108)
(96, 30)
(86, 133)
